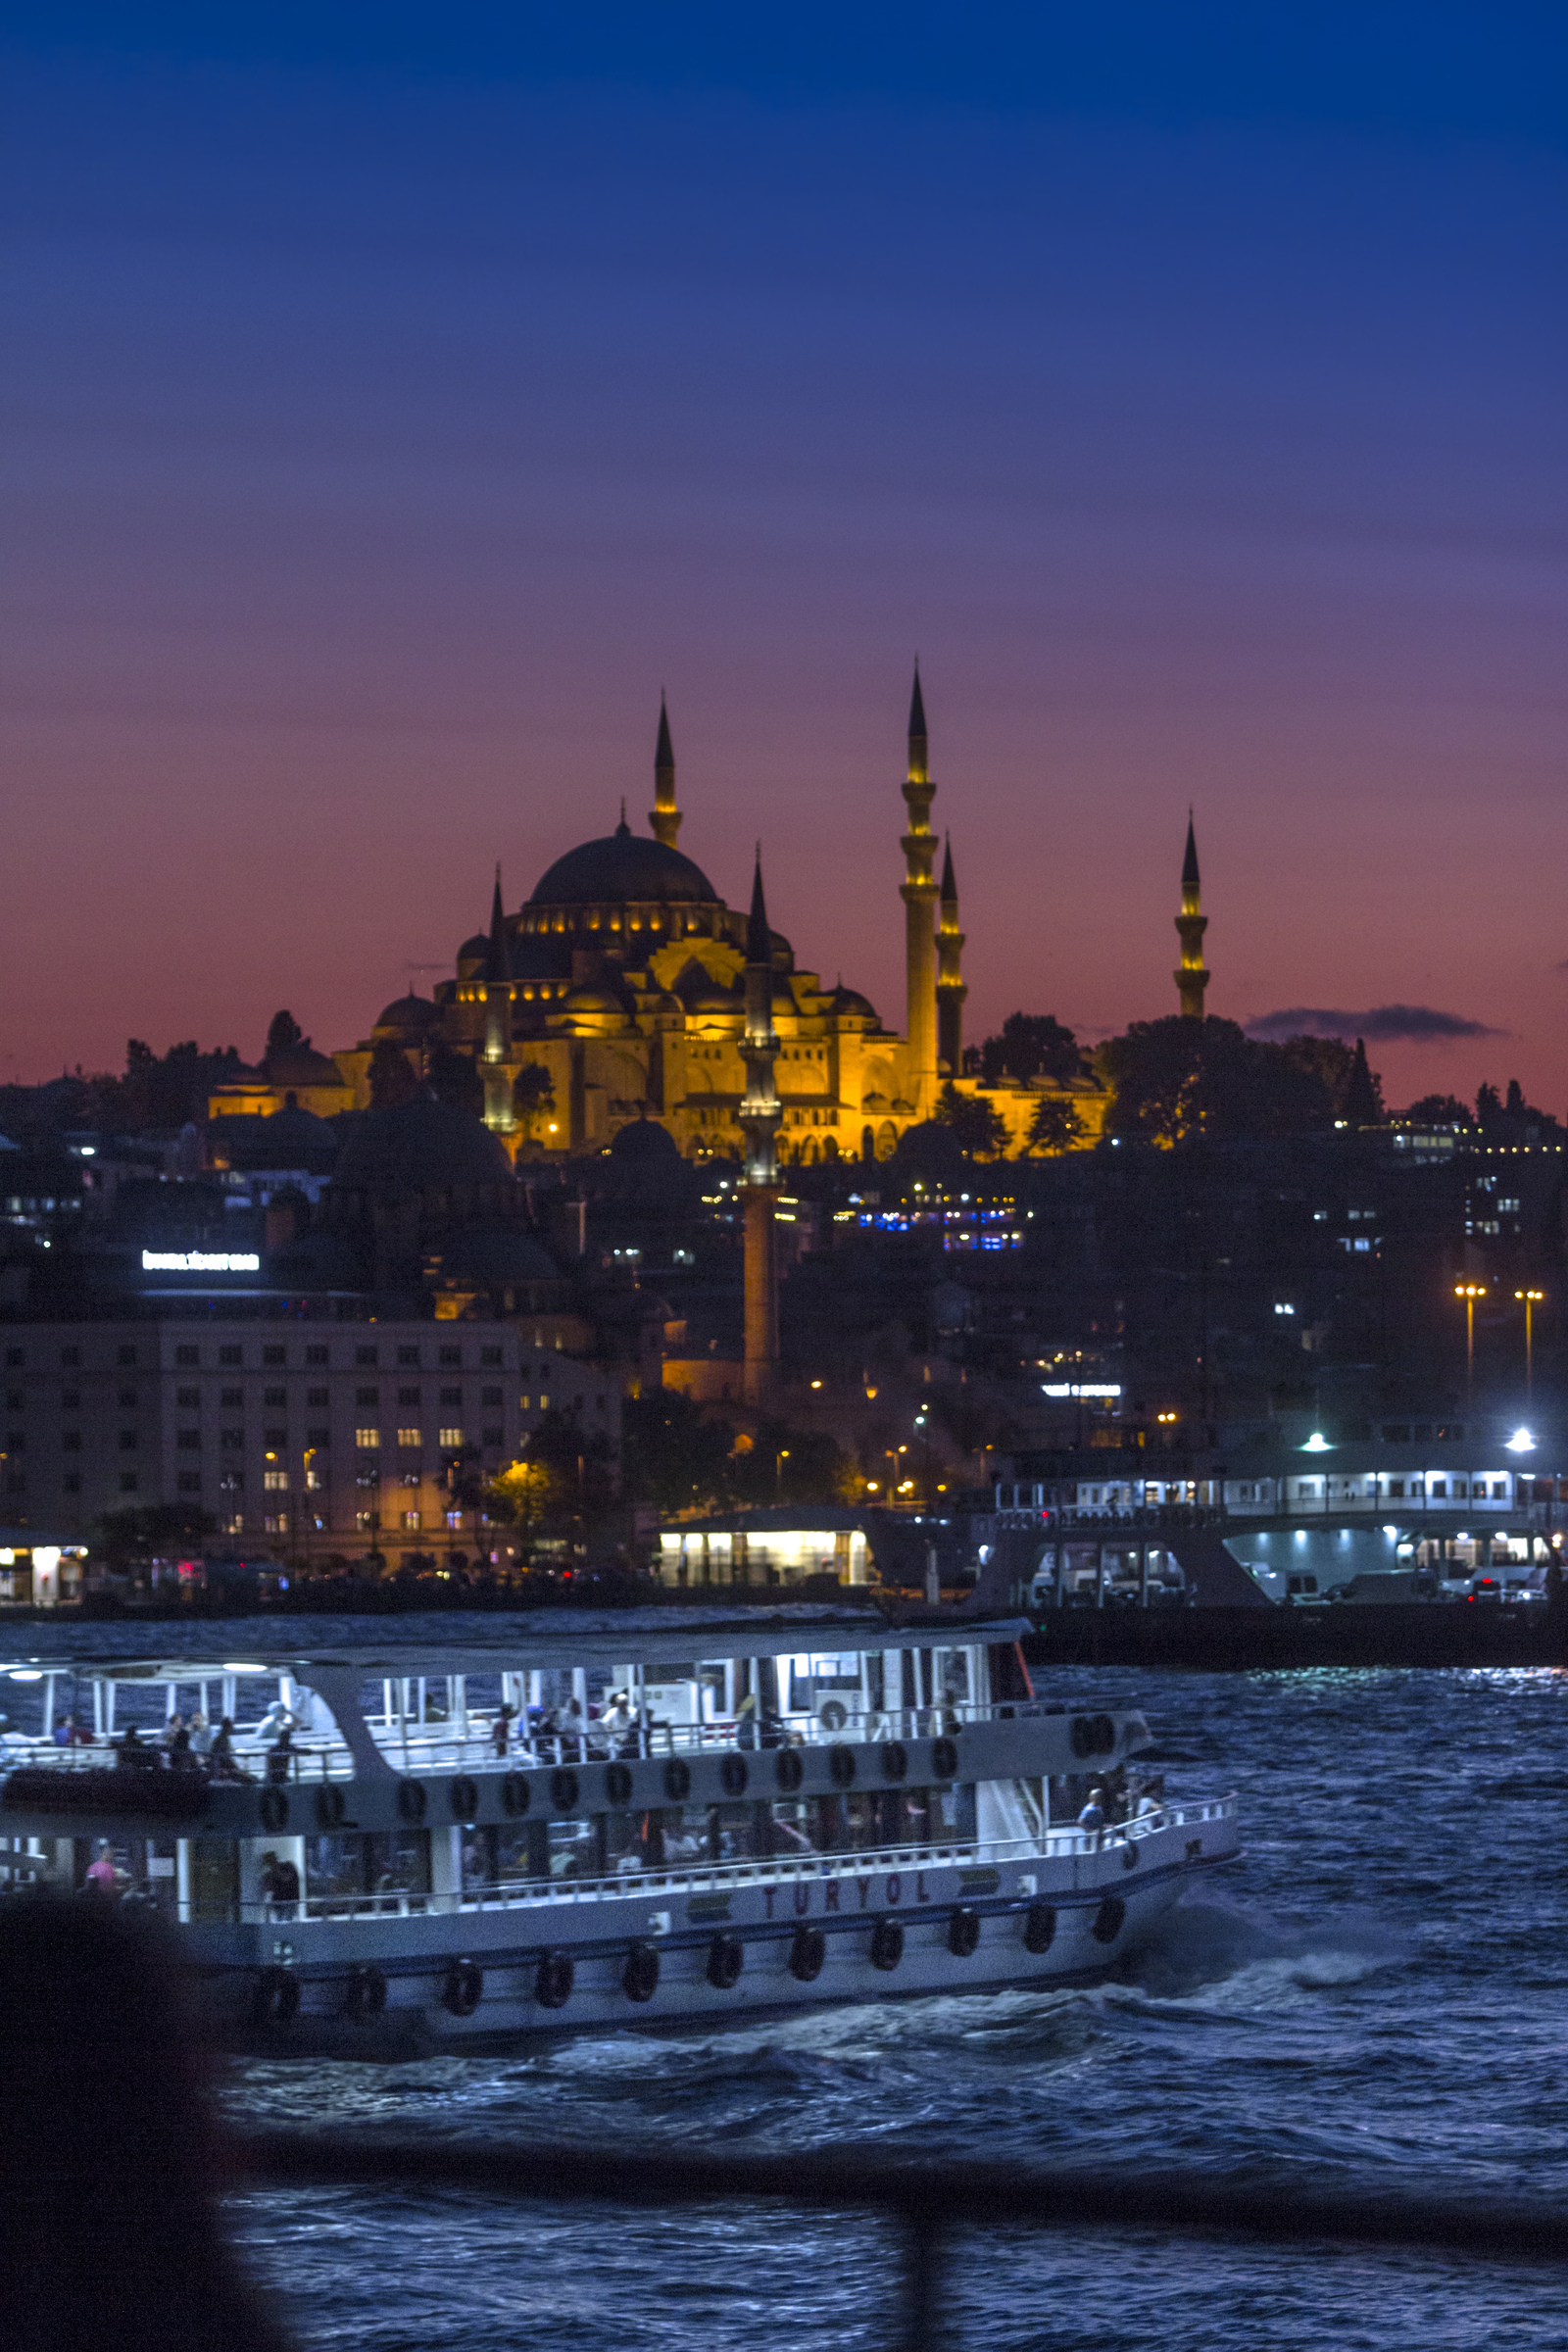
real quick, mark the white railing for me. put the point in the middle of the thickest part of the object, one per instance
(778, 1870)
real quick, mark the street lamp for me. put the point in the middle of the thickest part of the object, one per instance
(1532, 1299)
(1469, 1292)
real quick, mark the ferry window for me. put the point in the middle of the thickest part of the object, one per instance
(575, 1850)
(952, 1811)
(214, 1879)
(788, 1827)
(508, 1856)
(677, 1837)
(732, 1832)
(354, 1865)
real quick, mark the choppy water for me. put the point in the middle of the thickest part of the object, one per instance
(1377, 1994)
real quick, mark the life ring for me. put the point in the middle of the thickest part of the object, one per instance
(841, 1764)
(963, 1933)
(945, 1759)
(553, 1980)
(832, 1714)
(1106, 1924)
(329, 1807)
(618, 1784)
(887, 1943)
(516, 1795)
(639, 1977)
(895, 1760)
(807, 1952)
(1038, 1927)
(677, 1780)
(364, 1993)
(277, 1997)
(464, 1798)
(1130, 1857)
(1104, 1734)
(463, 1988)
(726, 1957)
(732, 1772)
(273, 1809)
(410, 1801)
(563, 1789)
(1081, 1735)
(788, 1768)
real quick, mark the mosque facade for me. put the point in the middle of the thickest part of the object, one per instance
(618, 992)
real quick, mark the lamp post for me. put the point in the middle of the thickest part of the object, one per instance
(1469, 1292)
(1532, 1299)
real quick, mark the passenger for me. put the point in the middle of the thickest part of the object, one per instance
(65, 1730)
(133, 1750)
(221, 1750)
(1092, 1820)
(171, 1728)
(277, 1719)
(746, 1721)
(280, 1758)
(177, 1742)
(102, 1875)
(279, 1887)
(501, 1728)
(201, 1734)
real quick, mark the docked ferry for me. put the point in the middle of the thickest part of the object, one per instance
(413, 1842)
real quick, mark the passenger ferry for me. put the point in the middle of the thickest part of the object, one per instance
(415, 1840)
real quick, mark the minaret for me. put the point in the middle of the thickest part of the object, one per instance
(759, 1117)
(664, 818)
(1191, 978)
(499, 1114)
(918, 891)
(950, 988)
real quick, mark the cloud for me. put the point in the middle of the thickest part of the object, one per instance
(1382, 1024)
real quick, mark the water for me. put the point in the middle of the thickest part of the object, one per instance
(1377, 1995)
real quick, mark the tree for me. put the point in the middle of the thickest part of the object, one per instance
(141, 1530)
(1361, 1104)
(453, 1078)
(283, 1035)
(1488, 1105)
(1438, 1111)
(533, 1095)
(977, 1126)
(1032, 1045)
(1180, 1080)
(392, 1081)
(1056, 1125)
(674, 1457)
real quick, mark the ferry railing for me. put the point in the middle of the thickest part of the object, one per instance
(926, 2203)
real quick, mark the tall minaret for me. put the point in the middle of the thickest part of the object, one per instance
(664, 818)
(760, 1116)
(1191, 978)
(499, 1114)
(950, 988)
(918, 891)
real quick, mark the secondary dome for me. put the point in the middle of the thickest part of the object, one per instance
(623, 869)
(421, 1146)
(409, 1012)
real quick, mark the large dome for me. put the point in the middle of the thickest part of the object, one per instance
(421, 1146)
(624, 869)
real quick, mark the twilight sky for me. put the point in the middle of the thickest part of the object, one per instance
(393, 405)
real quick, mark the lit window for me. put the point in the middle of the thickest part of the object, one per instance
(410, 1520)
(367, 1439)
(451, 1437)
(409, 1437)
(275, 1523)
(275, 1481)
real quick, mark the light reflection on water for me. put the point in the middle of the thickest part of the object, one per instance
(1378, 1995)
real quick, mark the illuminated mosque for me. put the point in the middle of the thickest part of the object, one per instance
(617, 993)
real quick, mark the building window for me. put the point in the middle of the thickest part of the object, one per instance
(275, 1439)
(1439, 1489)
(317, 1436)
(409, 1437)
(367, 1439)
(275, 1481)
(232, 1481)
(230, 1355)
(71, 1442)
(490, 1356)
(315, 1356)
(188, 1441)
(489, 1396)
(125, 1355)
(365, 1355)
(449, 1437)
(275, 1523)
(231, 1397)
(362, 1518)
(275, 1355)
(234, 1525)
(412, 1521)
(128, 1400)
(129, 1440)
(128, 1482)
(452, 1396)
(189, 1482)
(408, 1396)
(408, 1356)
(314, 1481)
(318, 1397)
(366, 1395)
(188, 1398)
(232, 1441)
(70, 1357)
(274, 1395)
(493, 1437)
(187, 1356)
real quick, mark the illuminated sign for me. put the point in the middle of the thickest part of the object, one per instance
(1088, 1388)
(200, 1261)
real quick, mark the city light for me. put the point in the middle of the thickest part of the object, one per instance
(200, 1261)
(1317, 1443)
(1086, 1387)
(1520, 1442)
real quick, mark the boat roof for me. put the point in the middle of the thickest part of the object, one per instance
(433, 1646)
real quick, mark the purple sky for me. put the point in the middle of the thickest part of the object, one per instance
(379, 441)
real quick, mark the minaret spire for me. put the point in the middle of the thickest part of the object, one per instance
(664, 818)
(1191, 977)
(951, 987)
(918, 891)
(761, 1114)
(499, 1114)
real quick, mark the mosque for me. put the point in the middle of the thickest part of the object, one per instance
(619, 993)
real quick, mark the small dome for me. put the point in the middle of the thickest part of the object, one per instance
(409, 1012)
(302, 1066)
(624, 867)
(850, 1002)
(475, 951)
(421, 1146)
(645, 1140)
(592, 996)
